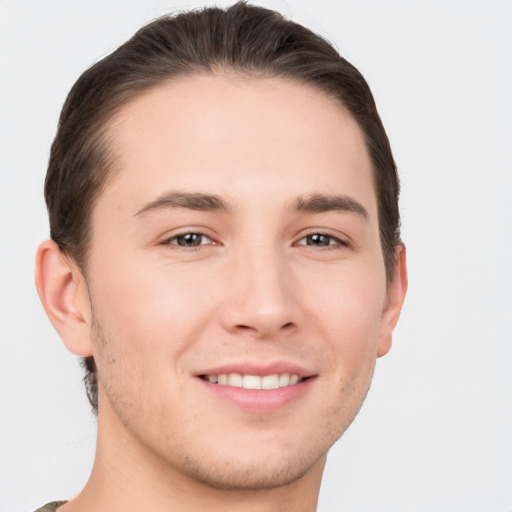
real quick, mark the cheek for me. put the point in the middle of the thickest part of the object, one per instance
(153, 313)
(347, 307)
(148, 322)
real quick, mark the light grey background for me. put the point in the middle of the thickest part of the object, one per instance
(435, 433)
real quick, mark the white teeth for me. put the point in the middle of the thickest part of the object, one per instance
(251, 382)
(237, 380)
(270, 382)
(284, 380)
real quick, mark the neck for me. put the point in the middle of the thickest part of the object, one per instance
(127, 476)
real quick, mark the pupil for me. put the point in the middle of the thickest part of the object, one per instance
(321, 240)
(190, 239)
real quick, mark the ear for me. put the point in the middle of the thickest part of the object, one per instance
(63, 293)
(394, 301)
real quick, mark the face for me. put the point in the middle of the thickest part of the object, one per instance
(236, 248)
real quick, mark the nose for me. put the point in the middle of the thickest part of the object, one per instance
(261, 297)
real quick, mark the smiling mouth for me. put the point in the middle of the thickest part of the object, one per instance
(238, 380)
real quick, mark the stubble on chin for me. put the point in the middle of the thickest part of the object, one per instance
(215, 468)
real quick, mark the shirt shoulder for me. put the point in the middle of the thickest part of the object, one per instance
(51, 507)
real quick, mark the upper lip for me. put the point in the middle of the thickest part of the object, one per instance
(253, 368)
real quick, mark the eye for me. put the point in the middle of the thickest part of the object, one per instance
(189, 240)
(321, 240)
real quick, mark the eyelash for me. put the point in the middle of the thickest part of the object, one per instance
(337, 241)
(169, 241)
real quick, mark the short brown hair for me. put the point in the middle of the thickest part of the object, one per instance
(247, 39)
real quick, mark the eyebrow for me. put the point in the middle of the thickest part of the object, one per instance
(320, 203)
(189, 200)
(316, 203)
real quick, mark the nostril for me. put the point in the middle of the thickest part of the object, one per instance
(244, 327)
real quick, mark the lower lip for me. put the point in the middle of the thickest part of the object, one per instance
(260, 400)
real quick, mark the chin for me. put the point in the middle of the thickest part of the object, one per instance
(243, 476)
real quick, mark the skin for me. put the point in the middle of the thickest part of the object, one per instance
(257, 288)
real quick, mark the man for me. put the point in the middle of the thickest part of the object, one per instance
(225, 256)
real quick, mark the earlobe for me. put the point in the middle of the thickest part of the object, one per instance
(395, 298)
(63, 293)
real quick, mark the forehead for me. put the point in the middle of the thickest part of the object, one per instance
(239, 137)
